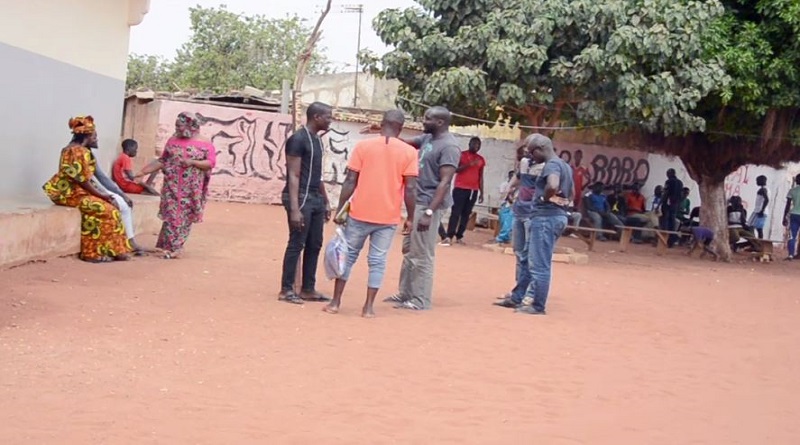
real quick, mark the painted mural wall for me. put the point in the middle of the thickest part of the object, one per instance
(251, 164)
(741, 183)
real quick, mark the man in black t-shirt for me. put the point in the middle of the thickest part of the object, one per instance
(673, 195)
(306, 204)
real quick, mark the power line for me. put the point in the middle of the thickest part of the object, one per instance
(526, 127)
(623, 121)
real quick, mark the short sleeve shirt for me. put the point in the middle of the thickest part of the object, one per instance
(794, 195)
(470, 177)
(308, 147)
(382, 167)
(434, 154)
(527, 175)
(566, 188)
(122, 164)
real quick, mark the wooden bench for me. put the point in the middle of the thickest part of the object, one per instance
(494, 223)
(662, 237)
(589, 235)
(766, 249)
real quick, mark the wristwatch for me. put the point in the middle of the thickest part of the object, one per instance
(428, 212)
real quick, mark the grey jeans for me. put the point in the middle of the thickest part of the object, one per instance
(419, 250)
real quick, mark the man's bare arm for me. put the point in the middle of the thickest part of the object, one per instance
(293, 164)
(412, 142)
(348, 188)
(410, 195)
(446, 173)
(787, 209)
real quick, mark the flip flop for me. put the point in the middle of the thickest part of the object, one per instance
(291, 297)
(104, 259)
(409, 306)
(396, 298)
(316, 298)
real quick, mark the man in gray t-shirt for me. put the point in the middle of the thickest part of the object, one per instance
(439, 154)
(433, 154)
(554, 190)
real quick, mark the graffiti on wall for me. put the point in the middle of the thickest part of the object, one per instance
(249, 147)
(737, 181)
(607, 166)
(338, 145)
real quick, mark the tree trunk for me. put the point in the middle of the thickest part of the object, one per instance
(714, 214)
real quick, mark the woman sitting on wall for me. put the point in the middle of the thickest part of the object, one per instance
(186, 163)
(103, 236)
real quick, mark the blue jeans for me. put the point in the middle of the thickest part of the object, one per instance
(380, 240)
(544, 231)
(794, 228)
(519, 238)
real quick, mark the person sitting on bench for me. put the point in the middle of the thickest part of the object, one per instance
(637, 213)
(599, 211)
(737, 225)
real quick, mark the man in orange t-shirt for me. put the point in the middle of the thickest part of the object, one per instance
(636, 206)
(467, 190)
(381, 174)
(122, 171)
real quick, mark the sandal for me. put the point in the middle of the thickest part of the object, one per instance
(315, 297)
(396, 298)
(407, 305)
(102, 259)
(291, 297)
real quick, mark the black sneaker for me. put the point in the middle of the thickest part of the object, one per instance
(506, 302)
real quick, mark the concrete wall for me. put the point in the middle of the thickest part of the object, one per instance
(35, 229)
(60, 59)
(741, 183)
(250, 145)
(620, 166)
(251, 163)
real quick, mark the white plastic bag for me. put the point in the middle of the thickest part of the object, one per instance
(336, 255)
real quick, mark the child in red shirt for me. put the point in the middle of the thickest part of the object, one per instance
(122, 171)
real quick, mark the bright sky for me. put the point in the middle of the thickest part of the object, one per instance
(166, 27)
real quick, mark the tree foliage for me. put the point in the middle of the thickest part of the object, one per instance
(715, 82)
(541, 61)
(754, 119)
(229, 51)
(149, 71)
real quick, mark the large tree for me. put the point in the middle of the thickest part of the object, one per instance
(229, 51)
(650, 66)
(149, 71)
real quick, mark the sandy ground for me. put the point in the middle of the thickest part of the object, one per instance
(635, 350)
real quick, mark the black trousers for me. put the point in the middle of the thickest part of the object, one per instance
(307, 241)
(463, 202)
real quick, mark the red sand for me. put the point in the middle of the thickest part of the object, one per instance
(635, 350)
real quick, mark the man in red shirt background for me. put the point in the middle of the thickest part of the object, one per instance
(122, 171)
(467, 190)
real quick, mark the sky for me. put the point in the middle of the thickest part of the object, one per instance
(166, 27)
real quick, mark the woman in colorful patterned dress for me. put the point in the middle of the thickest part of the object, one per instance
(103, 236)
(186, 163)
